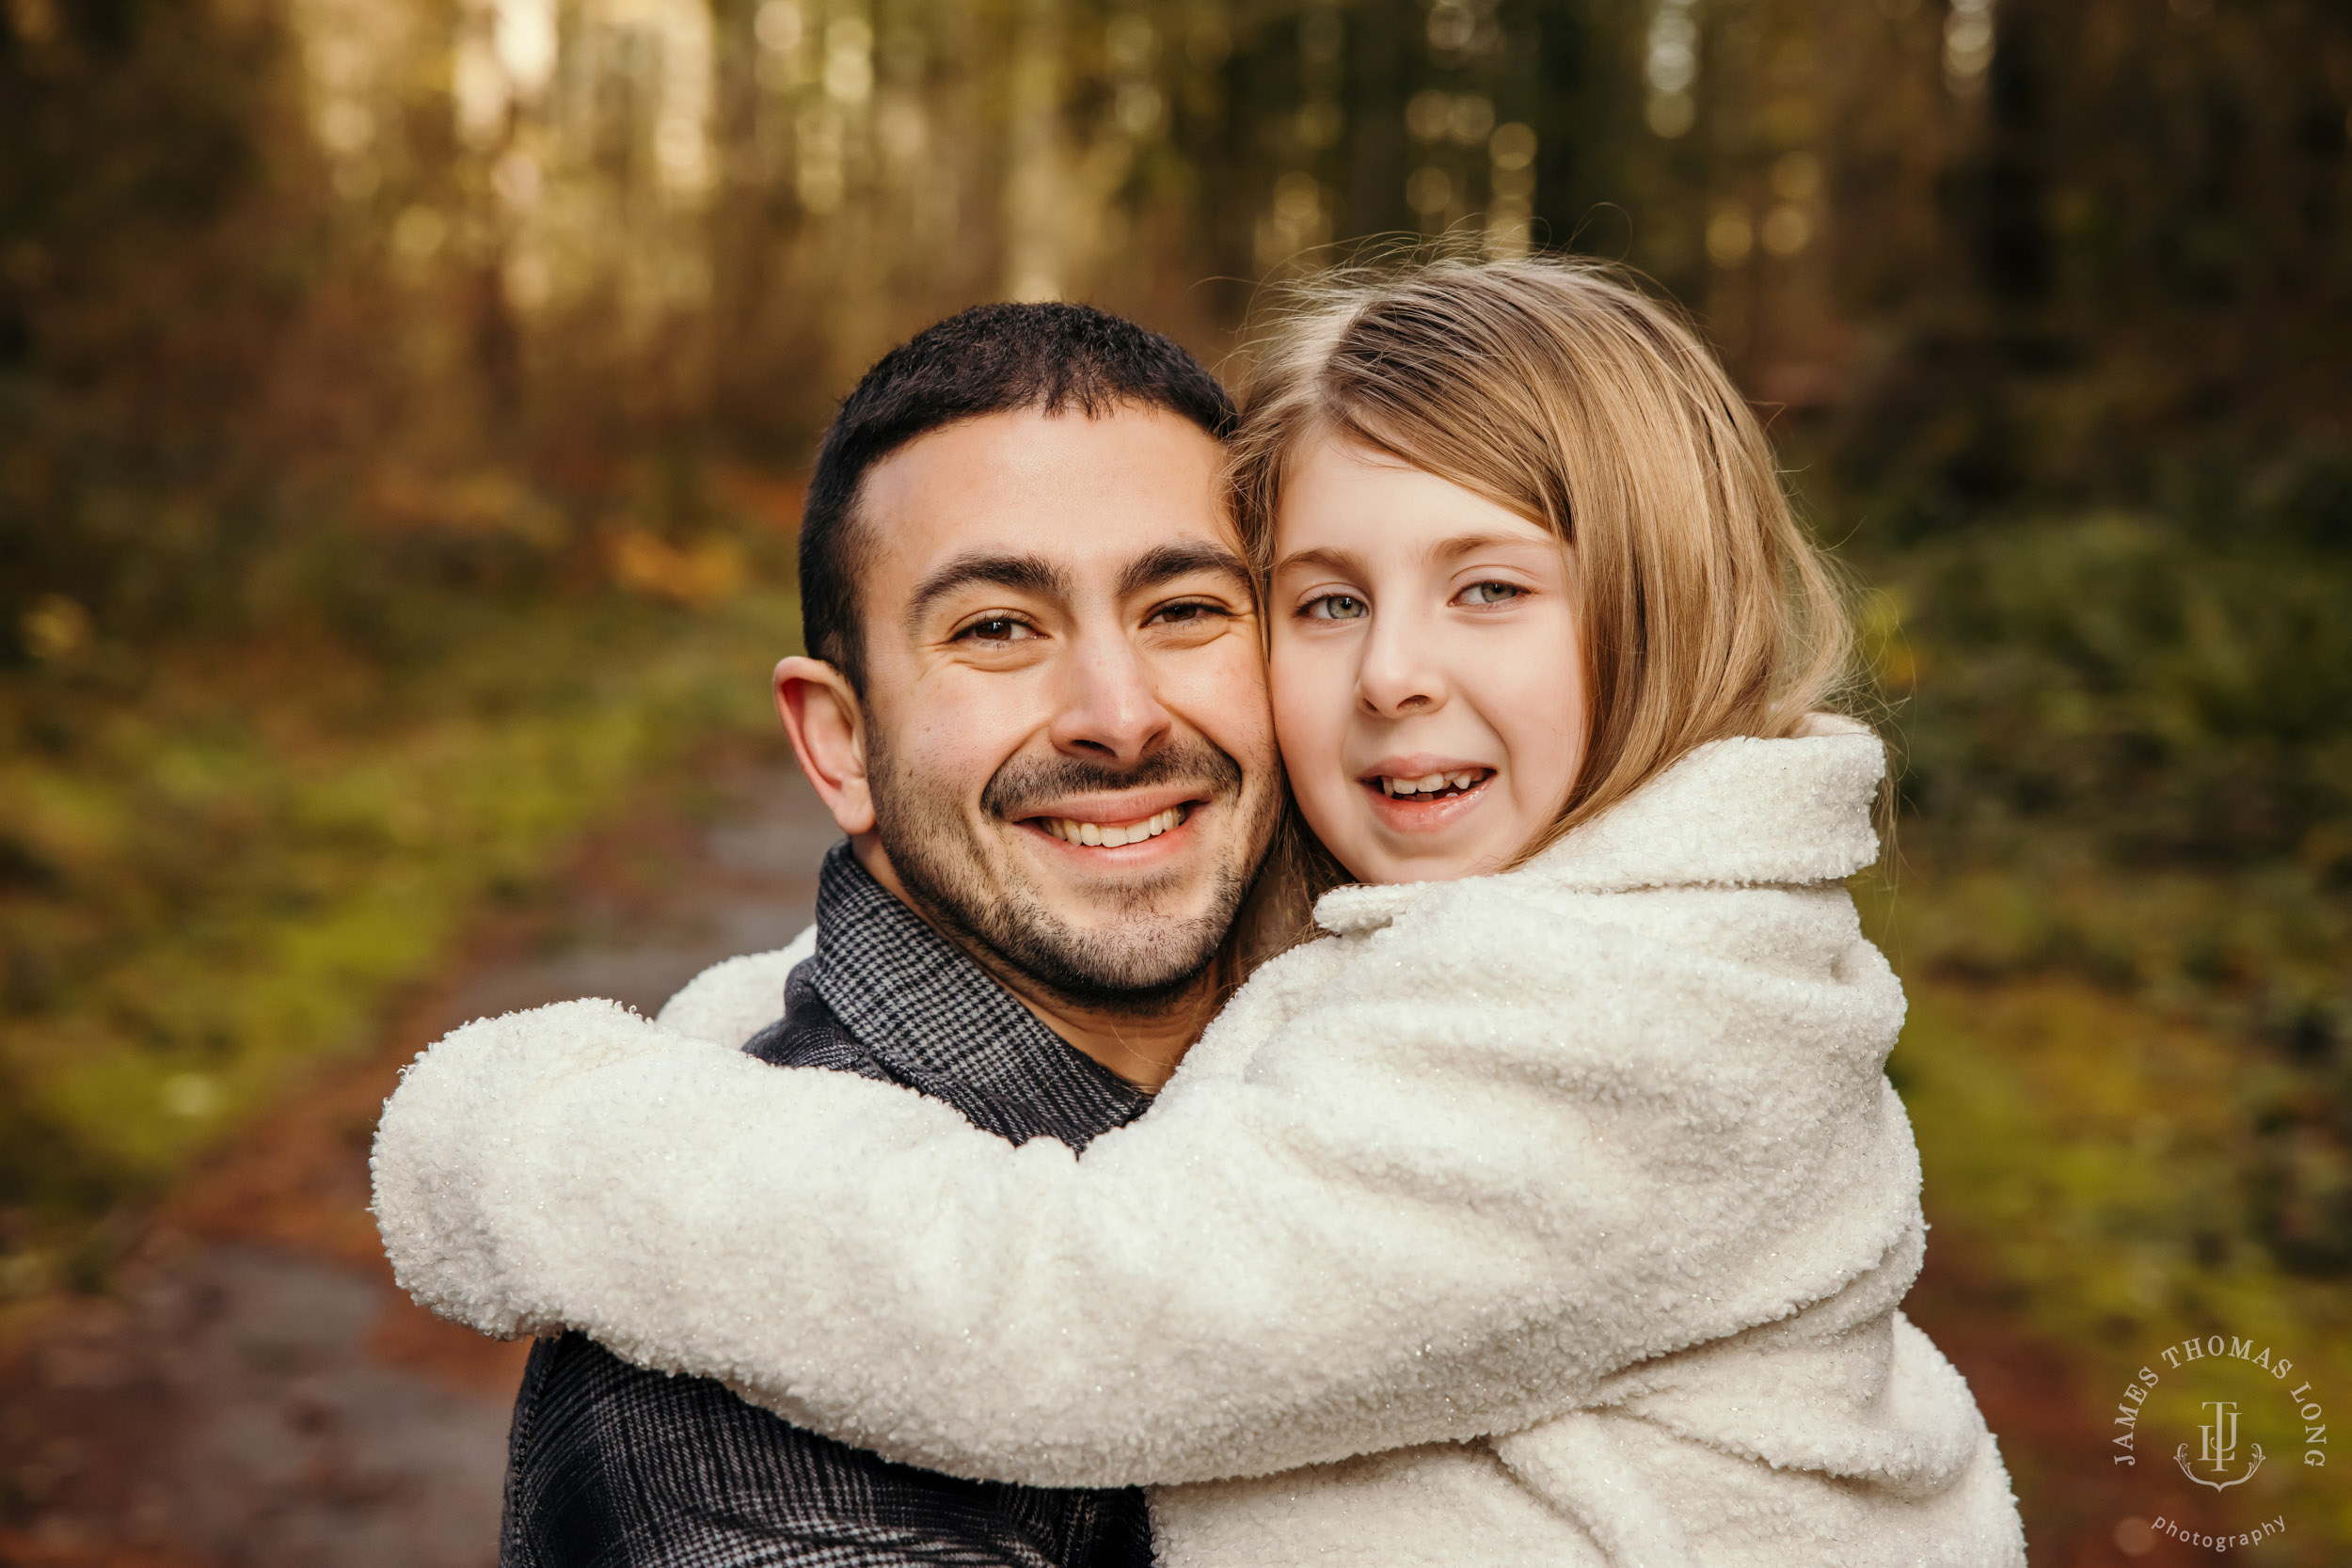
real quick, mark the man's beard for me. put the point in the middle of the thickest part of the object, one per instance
(962, 883)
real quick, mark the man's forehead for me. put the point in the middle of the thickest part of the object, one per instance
(1091, 493)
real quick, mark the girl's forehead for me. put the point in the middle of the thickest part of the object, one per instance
(1349, 497)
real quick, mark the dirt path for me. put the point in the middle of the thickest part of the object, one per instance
(255, 1391)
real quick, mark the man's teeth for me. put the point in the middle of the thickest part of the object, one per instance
(1432, 783)
(1112, 834)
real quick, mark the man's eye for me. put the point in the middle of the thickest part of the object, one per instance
(1000, 629)
(1489, 593)
(1336, 606)
(1176, 614)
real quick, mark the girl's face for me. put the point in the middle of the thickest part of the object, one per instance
(1428, 688)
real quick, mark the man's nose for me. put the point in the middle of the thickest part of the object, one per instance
(1109, 709)
(1400, 675)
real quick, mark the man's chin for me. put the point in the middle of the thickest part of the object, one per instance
(1102, 937)
(1114, 938)
(1132, 967)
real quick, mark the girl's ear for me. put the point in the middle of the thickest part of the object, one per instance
(827, 722)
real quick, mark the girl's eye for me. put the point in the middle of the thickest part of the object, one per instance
(998, 628)
(1336, 606)
(1489, 593)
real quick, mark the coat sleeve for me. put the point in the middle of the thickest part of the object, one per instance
(1438, 1202)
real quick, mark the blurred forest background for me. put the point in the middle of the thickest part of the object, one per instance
(401, 404)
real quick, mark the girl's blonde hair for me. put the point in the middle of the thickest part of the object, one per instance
(1556, 389)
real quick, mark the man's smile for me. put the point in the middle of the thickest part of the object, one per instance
(1117, 820)
(1113, 835)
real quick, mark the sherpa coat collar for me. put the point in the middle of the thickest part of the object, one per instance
(1731, 814)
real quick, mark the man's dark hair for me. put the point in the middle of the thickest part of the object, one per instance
(990, 359)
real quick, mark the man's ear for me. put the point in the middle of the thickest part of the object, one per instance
(827, 723)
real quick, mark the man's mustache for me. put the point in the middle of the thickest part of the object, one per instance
(1026, 784)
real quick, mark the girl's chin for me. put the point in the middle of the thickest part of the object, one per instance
(1426, 867)
(1426, 853)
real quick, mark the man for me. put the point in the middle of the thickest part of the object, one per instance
(1035, 707)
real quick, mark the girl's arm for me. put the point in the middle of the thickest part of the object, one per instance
(1462, 1183)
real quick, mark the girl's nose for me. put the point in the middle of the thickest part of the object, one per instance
(1399, 676)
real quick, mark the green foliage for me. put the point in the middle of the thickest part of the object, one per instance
(2159, 695)
(223, 879)
(2093, 1151)
(2129, 762)
(2124, 917)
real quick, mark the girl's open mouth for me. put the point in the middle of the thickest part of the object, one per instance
(1448, 786)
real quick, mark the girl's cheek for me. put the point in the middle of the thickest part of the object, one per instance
(1536, 703)
(1304, 711)
(1312, 699)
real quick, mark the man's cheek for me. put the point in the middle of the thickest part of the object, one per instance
(1227, 699)
(968, 738)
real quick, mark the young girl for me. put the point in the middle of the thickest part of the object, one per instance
(1552, 1208)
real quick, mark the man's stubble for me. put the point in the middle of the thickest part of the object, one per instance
(1137, 962)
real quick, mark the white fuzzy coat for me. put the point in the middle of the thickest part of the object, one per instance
(1575, 1198)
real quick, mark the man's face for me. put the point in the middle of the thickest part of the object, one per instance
(1068, 748)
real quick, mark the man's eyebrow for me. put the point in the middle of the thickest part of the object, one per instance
(1027, 574)
(1169, 562)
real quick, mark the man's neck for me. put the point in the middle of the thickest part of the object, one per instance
(1141, 1047)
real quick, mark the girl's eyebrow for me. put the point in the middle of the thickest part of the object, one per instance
(1328, 558)
(1470, 544)
(1335, 559)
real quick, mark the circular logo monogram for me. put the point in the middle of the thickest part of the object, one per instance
(2229, 1423)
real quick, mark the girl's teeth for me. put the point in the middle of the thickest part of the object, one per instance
(1430, 783)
